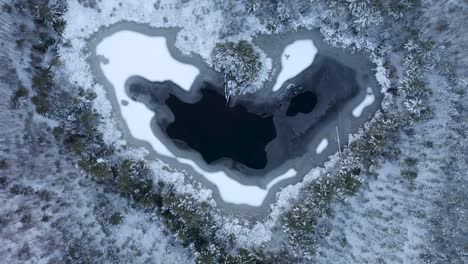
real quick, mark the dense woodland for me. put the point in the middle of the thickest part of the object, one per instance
(67, 194)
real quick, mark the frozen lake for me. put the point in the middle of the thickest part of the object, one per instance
(249, 148)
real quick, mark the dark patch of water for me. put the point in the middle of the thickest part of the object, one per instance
(216, 130)
(302, 103)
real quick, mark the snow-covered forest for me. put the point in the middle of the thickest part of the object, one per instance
(74, 191)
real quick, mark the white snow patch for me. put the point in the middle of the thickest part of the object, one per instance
(234, 192)
(368, 100)
(296, 57)
(322, 146)
(288, 174)
(129, 53)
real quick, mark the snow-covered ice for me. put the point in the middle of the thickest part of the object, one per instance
(296, 57)
(368, 100)
(288, 174)
(127, 53)
(322, 146)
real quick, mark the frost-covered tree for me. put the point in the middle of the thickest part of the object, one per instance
(413, 87)
(365, 13)
(240, 61)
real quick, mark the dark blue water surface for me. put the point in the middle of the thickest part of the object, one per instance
(217, 131)
(302, 103)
